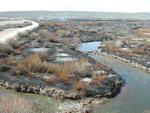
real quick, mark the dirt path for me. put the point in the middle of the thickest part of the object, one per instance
(11, 33)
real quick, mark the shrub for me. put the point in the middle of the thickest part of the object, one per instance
(63, 33)
(97, 79)
(48, 23)
(139, 51)
(32, 63)
(2, 61)
(13, 43)
(47, 45)
(72, 42)
(100, 66)
(42, 32)
(36, 63)
(10, 60)
(80, 67)
(43, 55)
(45, 34)
(63, 75)
(90, 30)
(141, 32)
(6, 49)
(32, 35)
(51, 79)
(23, 34)
(79, 85)
(52, 67)
(91, 23)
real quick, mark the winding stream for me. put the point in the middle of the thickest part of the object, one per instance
(135, 91)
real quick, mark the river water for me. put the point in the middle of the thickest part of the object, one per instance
(135, 91)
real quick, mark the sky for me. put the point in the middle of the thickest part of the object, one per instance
(129, 6)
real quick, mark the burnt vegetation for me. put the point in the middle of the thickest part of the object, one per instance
(46, 57)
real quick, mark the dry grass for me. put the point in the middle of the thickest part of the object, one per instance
(35, 64)
(30, 64)
(90, 30)
(32, 35)
(63, 32)
(15, 104)
(79, 85)
(10, 60)
(126, 53)
(139, 50)
(103, 67)
(2, 61)
(63, 75)
(70, 67)
(5, 48)
(72, 42)
(43, 55)
(23, 34)
(91, 23)
(80, 67)
(49, 23)
(12, 43)
(97, 79)
(117, 49)
(45, 34)
(51, 79)
(141, 32)
(142, 49)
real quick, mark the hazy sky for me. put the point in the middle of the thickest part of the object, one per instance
(77, 5)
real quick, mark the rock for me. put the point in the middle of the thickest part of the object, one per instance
(8, 49)
(34, 44)
(47, 45)
(35, 50)
(4, 68)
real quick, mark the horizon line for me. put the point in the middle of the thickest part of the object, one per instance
(70, 11)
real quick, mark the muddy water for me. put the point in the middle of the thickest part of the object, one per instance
(135, 92)
(134, 96)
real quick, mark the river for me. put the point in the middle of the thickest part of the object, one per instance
(135, 91)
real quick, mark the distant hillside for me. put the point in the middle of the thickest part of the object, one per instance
(73, 15)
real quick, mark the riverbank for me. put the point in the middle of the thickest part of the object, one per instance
(133, 49)
(123, 59)
(99, 52)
